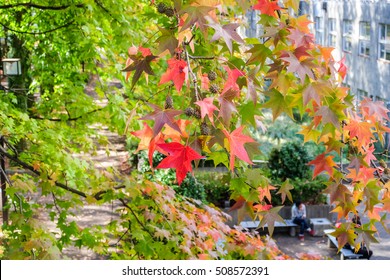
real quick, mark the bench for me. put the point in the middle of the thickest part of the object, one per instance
(344, 253)
(253, 225)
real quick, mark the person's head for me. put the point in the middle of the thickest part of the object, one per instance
(298, 204)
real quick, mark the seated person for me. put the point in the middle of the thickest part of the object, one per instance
(363, 250)
(298, 216)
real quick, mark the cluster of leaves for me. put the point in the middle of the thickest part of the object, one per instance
(194, 91)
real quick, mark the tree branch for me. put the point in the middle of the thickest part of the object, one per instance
(38, 33)
(68, 119)
(38, 6)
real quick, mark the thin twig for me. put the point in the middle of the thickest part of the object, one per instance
(41, 32)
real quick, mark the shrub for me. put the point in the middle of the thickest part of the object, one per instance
(290, 161)
(216, 187)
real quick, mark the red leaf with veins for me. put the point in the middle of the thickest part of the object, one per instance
(231, 82)
(177, 72)
(207, 108)
(179, 157)
(228, 33)
(267, 7)
(162, 117)
(236, 142)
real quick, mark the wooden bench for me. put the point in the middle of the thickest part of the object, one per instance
(253, 225)
(344, 253)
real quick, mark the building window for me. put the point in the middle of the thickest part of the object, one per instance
(332, 36)
(319, 29)
(364, 38)
(360, 95)
(347, 35)
(384, 41)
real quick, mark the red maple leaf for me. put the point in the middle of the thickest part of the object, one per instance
(207, 108)
(323, 163)
(236, 142)
(231, 82)
(162, 117)
(343, 68)
(267, 7)
(179, 157)
(177, 72)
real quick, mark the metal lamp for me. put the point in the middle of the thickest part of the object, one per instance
(11, 66)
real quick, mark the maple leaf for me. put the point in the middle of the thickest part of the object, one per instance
(196, 14)
(359, 129)
(179, 157)
(375, 109)
(323, 163)
(344, 234)
(279, 104)
(231, 82)
(315, 91)
(267, 7)
(139, 63)
(294, 4)
(259, 54)
(227, 106)
(270, 217)
(342, 68)
(301, 67)
(236, 141)
(207, 108)
(301, 39)
(167, 41)
(162, 117)
(363, 174)
(228, 33)
(328, 116)
(146, 135)
(284, 190)
(369, 156)
(173, 134)
(177, 72)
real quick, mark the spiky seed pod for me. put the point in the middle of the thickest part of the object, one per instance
(212, 75)
(168, 102)
(169, 12)
(214, 88)
(189, 111)
(197, 113)
(386, 171)
(161, 8)
(204, 129)
(383, 163)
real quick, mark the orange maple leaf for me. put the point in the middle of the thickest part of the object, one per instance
(323, 163)
(267, 7)
(236, 142)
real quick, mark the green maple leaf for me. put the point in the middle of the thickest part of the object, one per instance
(259, 54)
(167, 41)
(196, 14)
(218, 158)
(284, 190)
(279, 104)
(270, 217)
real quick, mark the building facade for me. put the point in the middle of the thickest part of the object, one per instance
(359, 30)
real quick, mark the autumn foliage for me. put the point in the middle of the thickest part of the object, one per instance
(196, 89)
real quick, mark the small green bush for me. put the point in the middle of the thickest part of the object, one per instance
(216, 185)
(290, 161)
